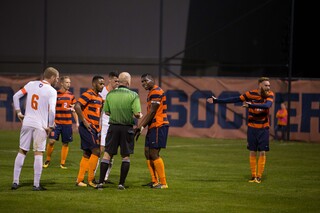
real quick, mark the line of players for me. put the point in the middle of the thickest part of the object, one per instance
(93, 125)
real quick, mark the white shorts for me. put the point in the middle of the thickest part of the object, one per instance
(37, 136)
(104, 131)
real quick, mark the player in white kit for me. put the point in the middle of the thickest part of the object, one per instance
(37, 123)
(113, 84)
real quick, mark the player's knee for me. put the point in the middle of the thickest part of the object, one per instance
(52, 141)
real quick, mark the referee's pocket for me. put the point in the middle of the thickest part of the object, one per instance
(130, 135)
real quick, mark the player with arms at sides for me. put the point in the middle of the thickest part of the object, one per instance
(158, 127)
(282, 116)
(258, 102)
(64, 112)
(122, 105)
(113, 84)
(88, 108)
(37, 123)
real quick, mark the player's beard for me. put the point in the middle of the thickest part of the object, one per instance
(264, 93)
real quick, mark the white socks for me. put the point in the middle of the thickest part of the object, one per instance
(18, 163)
(37, 169)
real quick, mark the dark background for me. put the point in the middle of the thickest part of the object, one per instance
(188, 37)
(250, 38)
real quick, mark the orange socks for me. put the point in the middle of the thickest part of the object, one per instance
(64, 154)
(261, 164)
(49, 151)
(154, 175)
(84, 165)
(93, 161)
(87, 164)
(253, 165)
(159, 167)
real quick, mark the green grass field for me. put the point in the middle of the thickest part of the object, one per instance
(204, 175)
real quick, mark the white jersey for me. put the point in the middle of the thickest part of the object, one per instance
(104, 118)
(40, 104)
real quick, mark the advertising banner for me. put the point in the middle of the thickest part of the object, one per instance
(189, 113)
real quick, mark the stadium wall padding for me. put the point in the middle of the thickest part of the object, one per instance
(190, 115)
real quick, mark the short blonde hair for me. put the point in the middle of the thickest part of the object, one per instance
(64, 77)
(262, 79)
(49, 72)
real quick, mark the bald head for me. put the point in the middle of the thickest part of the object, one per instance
(125, 79)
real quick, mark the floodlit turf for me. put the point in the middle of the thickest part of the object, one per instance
(204, 175)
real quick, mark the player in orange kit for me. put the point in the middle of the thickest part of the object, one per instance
(63, 121)
(258, 102)
(158, 127)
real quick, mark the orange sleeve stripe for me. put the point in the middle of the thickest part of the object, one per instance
(24, 91)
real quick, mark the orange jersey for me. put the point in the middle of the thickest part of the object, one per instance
(257, 117)
(63, 108)
(282, 116)
(91, 105)
(157, 95)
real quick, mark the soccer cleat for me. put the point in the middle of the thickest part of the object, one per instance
(38, 188)
(252, 180)
(161, 186)
(82, 184)
(62, 166)
(100, 186)
(150, 184)
(155, 184)
(14, 186)
(92, 184)
(46, 164)
(258, 180)
(121, 187)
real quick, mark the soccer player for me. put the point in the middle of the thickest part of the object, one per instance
(37, 123)
(122, 105)
(158, 126)
(88, 107)
(63, 121)
(258, 102)
(113, 84)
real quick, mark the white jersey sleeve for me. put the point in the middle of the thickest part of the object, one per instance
(52, 108)
(16, 99)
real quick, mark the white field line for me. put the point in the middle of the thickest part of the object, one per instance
(177, 146)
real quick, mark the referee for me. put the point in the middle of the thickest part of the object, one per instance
(122, 105)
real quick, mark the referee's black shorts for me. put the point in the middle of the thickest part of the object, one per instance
(120, 135)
